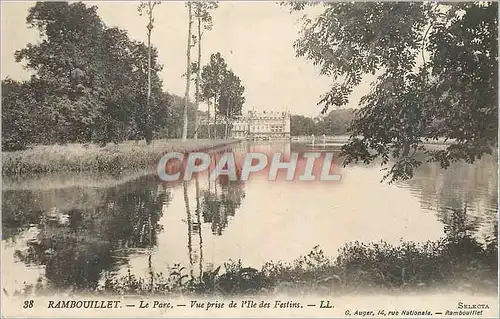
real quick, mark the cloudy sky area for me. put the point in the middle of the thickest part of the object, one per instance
(255, 38)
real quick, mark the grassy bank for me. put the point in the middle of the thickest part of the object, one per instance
(456, 262)
(65, 180)
(448, 264)
(92, 158)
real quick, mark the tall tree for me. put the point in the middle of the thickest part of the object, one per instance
(148, 9)
(17, 120)
(188, 70)
(204, 21)
(437, 77)
(231, 99)
(126, 114)
(212, 77)
(88, 81)
(65, 66)
(301, 125)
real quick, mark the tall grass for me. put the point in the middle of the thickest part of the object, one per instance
(113, 158)
(455, 262)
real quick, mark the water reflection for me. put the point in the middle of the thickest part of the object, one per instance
(19, 210)
(82, 233)
(220, 203)
(197, 227)
(215, 205)
(466, 187)
(76, 244)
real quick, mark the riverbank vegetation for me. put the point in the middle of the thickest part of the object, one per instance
(336, 122)
(93, 84)
(455, 262)
(458, 261)
(94, 93)
(113, 158)
(434, 72)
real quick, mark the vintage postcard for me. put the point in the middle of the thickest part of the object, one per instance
(249, 159)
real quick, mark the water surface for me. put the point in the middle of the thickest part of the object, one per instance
(70, 230)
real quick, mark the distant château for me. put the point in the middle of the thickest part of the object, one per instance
(259, 125)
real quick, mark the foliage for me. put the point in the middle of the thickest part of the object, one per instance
(90, 158)
(202, 12)
(204, 22)
(437, 77)
(457, 261)
(212, 77)
(231, 99)
(89, 82)
(220, 84)
(301, 125)
(16, 100)
(235, 279)
(148, 9)
(335, 123)
(175, 280)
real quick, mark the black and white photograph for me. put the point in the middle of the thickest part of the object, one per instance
(249, 159)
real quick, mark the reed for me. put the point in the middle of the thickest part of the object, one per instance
(453, 263)
(449, 264)
(113, 158)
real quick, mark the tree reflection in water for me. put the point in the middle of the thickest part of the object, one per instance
(470, 188)
(77, 245)
(189, 226)
(218, 206)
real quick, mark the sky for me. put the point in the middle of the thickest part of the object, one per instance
(255, 38)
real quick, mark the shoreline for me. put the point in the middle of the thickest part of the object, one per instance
(343, 139)
(111, 159)
(358, 267)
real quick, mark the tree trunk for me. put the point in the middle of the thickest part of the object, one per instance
(147, 128)
(227, 123)
(208, 120)
(150, 262)
(230, 120)
(198, 73)
(215, 118)
(189, 226)
(229, 111)
(198, 221)
(188, 73)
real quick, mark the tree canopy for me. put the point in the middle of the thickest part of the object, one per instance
(231, 98)
(204, 21)
(335, 123)
(89, 82)
(437, 77)
(223, 86)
